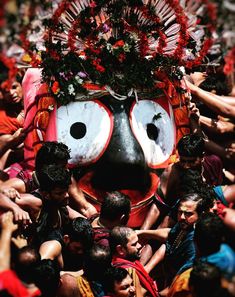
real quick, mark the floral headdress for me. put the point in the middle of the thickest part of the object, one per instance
(120, 46)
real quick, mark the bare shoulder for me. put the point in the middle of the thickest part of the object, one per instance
(68, 287)
(15, 183)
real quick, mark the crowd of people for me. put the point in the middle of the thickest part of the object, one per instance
(53, 242)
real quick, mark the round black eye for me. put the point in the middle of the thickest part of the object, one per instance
(78, 130)
(152, 131)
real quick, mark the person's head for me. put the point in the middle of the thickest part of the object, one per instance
(79, 236)
(54, 181)
(10, 90)
(192, 182)
(191, 206)
(96, 261)
(118, 283)
(124, 243)
(205, 280)
(217, 83)
(198, 76)
(52, 152)
(209, 234)
(191, 148)
(26, 260)
(47, 277)
(116, 207)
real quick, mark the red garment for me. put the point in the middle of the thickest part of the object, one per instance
(146, 281)
(8, 124)
(10, 283)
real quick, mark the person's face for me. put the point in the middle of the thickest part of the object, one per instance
(59, 196)
(198, 77)
(14, 95)
(133, 247)
(125, 288)
(75, 248)
(190, 162)
(187, 214)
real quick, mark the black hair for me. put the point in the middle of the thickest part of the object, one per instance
(205, 279)
(47, 277)
(115, 204)
(192, 182)
(217, 82)
(209, 233)
(112, 275)
(80, 229)
(203, 205)
(191, 145)
(52, 152)
(96, 261)
(119, 236)
(54, 176)
(27, 258)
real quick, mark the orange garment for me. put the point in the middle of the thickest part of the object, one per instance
(179, 286)
(84, 287)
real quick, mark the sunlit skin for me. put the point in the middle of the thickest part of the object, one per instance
(198, 77)
(125, 288)
(14, 95)
(133, 247)
(187, 214)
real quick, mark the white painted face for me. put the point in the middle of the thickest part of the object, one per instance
(86, 128)
(154, 129)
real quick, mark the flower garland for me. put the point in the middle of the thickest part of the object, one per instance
(210, 21)
(119, 44)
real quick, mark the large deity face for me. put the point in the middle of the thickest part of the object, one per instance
(119, 145)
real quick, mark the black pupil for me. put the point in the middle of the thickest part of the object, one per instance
(78, 130)
(152, 131)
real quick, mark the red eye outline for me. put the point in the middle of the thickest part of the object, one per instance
(111, 120)
(163, 103)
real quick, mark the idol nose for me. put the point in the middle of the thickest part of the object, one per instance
(123, 164)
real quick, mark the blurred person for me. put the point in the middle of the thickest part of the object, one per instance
(97, 261)
(10, 283)
(118, 283)
(70, 248)
(206, 280)
(191, 151)
(51, 152)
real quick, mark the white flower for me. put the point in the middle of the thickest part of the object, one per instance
(78, 79)
(71, 89)
(109, 47)
(126, 47)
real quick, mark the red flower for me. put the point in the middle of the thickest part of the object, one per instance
(160, 85)
(119, 43)
(54, 55)
(55, 87)
(95, 50)
(100, 68)
(121, 57)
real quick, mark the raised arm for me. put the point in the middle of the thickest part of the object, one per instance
(8, 227)
(79, 202)
(160, 234)
(213, 101)
(20, 215)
